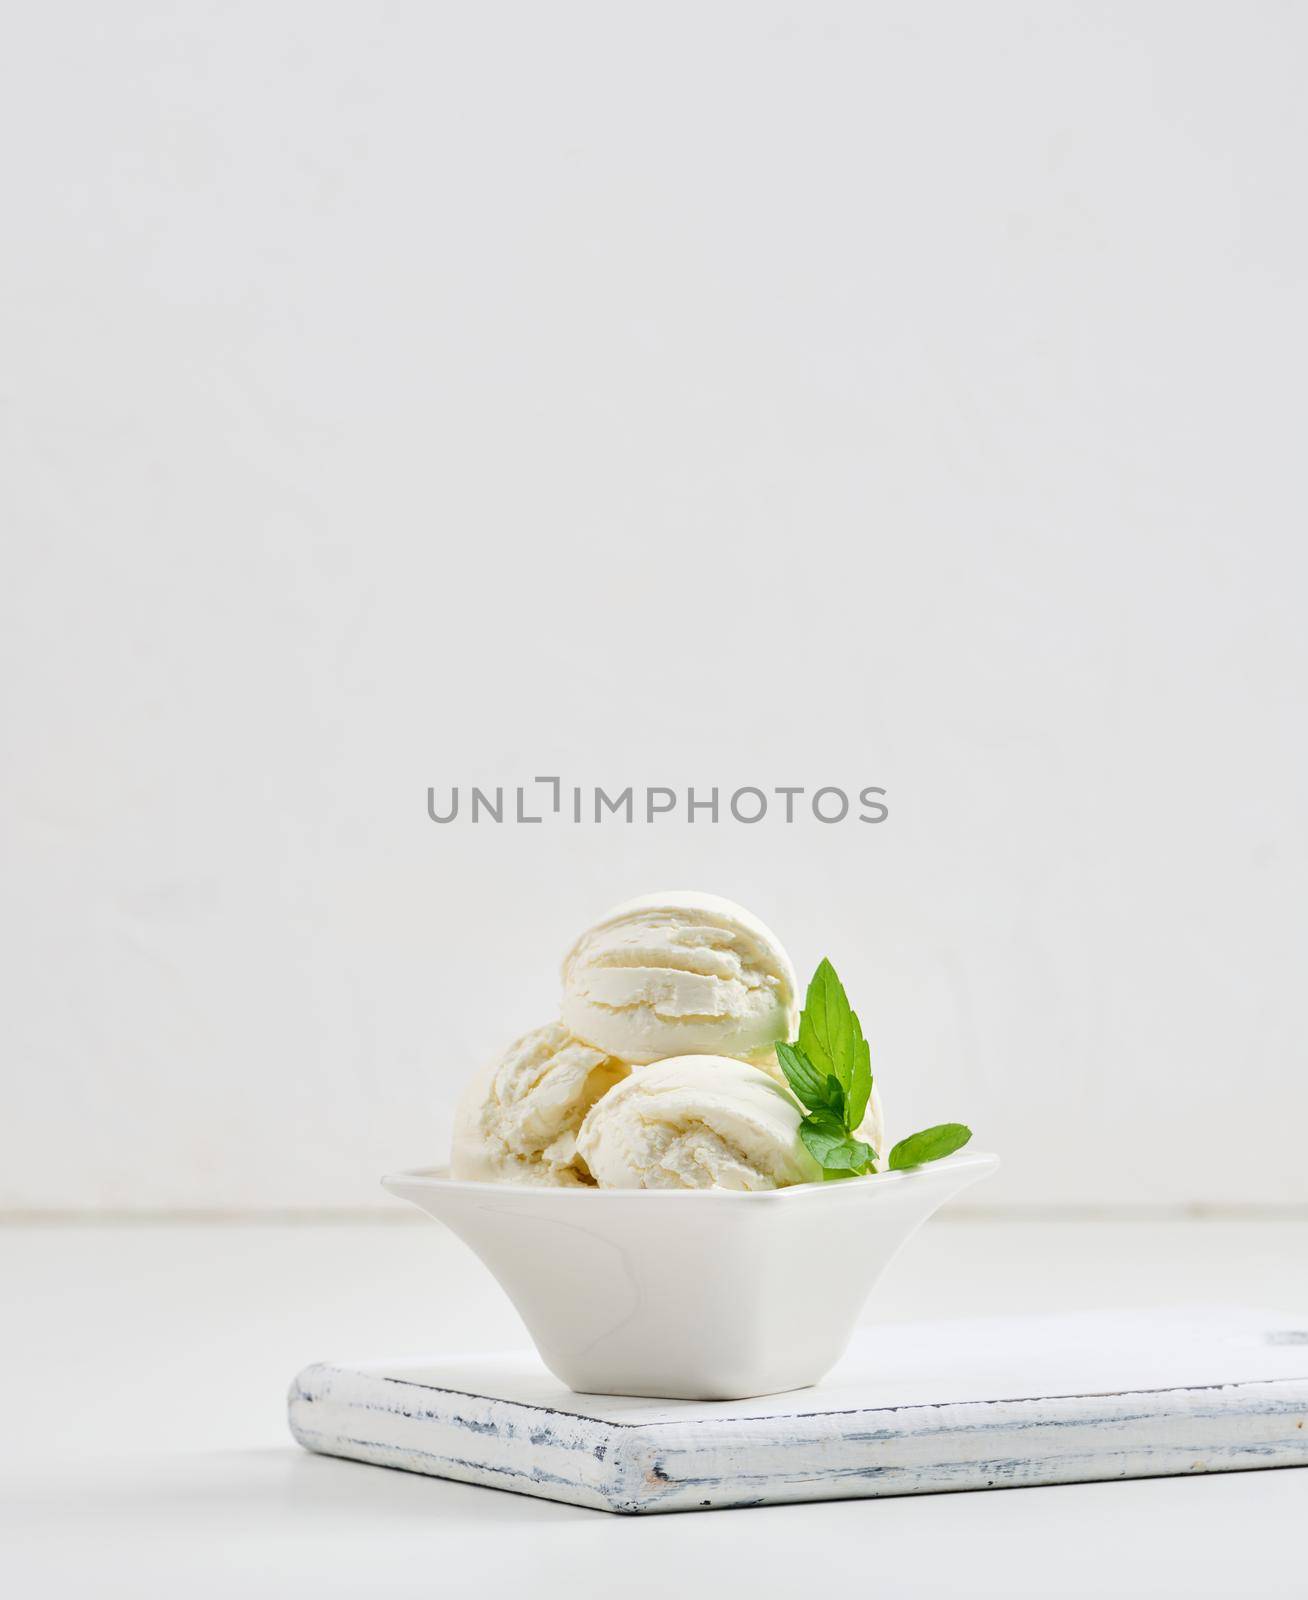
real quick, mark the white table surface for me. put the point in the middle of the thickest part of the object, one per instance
(145, 1452)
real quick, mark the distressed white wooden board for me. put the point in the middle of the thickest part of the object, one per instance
(912, 1409)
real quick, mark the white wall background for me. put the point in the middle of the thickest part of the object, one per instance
(413, 394)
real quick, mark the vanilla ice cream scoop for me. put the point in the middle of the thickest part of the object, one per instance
(679, 974)
(518, 1119)
(696, 1122)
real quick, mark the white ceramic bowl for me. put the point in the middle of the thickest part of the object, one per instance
(697, 1294)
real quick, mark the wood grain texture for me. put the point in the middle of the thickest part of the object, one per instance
(871, 1430)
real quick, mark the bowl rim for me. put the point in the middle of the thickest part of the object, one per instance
(438, 1178)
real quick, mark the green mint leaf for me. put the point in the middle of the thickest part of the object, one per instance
(836, 1100)
(822, 1141)
(824, 1024)
(825, 1030)
(831, 1035)
(828, 1142)
(860, 1077)
(811, 1087)
(853, 1159)
(929, 1145)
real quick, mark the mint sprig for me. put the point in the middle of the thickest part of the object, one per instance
(829, 1070)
